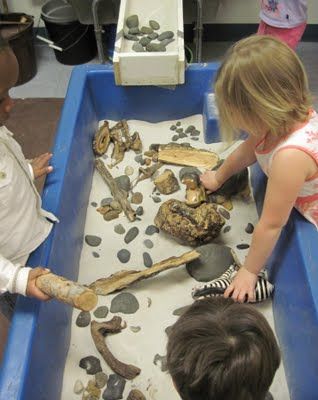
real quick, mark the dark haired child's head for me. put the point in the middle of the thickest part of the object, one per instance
(222, 350)
(9, 71)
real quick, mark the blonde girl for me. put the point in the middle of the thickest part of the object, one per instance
(262, 89)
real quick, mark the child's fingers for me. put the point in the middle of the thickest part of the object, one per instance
(229, 291)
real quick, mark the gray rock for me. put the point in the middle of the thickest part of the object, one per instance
(131, 234)
(83, 319)
(180, 311)
(106, 201)
(91, 364)
(195, 133)
(188, 171)
(93, 240)
(227, 229)
(125, 303)
(153, 36)
(178, 123)
(132, 21)
(138, 48)
(146, 30)
(154, 25)
(155, 47)
(123, 256)
(144, 41)
(162, 360)
(134, 31)
(119, 229)
(175, 138)
(123, 182)
(101, 312)
(165, 42)
(96, 255)
(115, 388)
(139, 158)
(94, 204)
(243, 246)
(135, 329)
(182, 135)
(140, 210)
(190, 129)
(173, 127)
(78, 387)
(249, 228)
(224, 213)
(156, 199)
(148, 243)
(128, 36)
(147, 260)
(100, 380)
(195, 138)
(213, 262)
(165, 35)
(151, 229)
(179, 130)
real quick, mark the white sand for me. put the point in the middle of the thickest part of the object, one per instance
(167, 291)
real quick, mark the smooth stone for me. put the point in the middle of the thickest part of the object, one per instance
(123, 256)
(190, 129)
(195, 133)
(148, 243)
(115, 388)
(180, 311)
(125, 303)
(227, 229)
(243, 246)
(182, 135)
(136, 198)
(135, 329)
(154, 25)
(110, 215)
(78, 387)
(178, 123)
(93, 240)
(153, 36)
(195, 138)
(128, 36)
(131, 234)
(138, 48)
(214, 260)
(139, 158)
(96, 255)
(188, 171)
(106, 201)
(147, 260)
(94, 204)
(175, 138)
(101, 379)
(249, 228)
(162, 360)
(129, 170)
(132, 21)
(224, 213)
(144, 41)
(123, 182)
(83, 319)
(155, 47)
(165, 42)
(134, 31)
(156, 199)
(165, 35)
(91, 364)
(151, 229)
(119, 229)
(101, 312)
(146, 30)
(115, 205)
(179, 130)
(173, 127)
(140, 210)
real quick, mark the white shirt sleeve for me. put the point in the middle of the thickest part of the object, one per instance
(13, 277)
(31, 170)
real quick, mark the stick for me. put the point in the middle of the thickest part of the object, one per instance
(117, 193)
(122, 279)
(68, 292)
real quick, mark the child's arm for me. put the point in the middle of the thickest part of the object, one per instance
(289, 170)
(242, 157)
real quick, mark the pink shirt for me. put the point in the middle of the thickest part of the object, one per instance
(283, 13)
(304, 139)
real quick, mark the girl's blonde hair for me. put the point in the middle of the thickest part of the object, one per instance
(261, 87)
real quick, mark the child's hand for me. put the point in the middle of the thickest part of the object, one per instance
(243, 286)
(32, 290)
(40, 165)
(209, 181)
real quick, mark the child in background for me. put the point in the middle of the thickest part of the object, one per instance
(221, 350)
(262, 89)
(284, 19)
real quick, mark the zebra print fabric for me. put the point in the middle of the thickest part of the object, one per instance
(217, 287)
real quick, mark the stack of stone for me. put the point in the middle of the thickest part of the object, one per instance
(145, 38)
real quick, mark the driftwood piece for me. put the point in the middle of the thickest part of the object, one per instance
(195, 192)
(136, 143)
(145, 173)
(136, 394)
(101, 139)
(116, 192)
(99, 330)
(182, 155)
(167, 183)
(122, 279)
(68, 292)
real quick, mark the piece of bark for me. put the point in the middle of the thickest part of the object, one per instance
(101, 139)
(167, 183)
(122, 279)
(116, 192)
(181, 155)
(68, 292)
(119, 149)
(99, 330)
(195, 192)
(145, 173)
(136, 143)
(136, 394)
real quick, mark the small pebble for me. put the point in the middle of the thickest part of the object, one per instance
(83, 319)
(123, 256)
(166, 35)
(128, 36)
(115, 388)
(243, 246)
(131, 234)
(129, 170)
(151, 229)
(144, 41)
(110, 215)
(94, 204)
(249, 228)
(190, 129)
(135, 329)
(155, 47)
(139, 158)
(148, 243)
(134, 31)
(106, 201)
(96, 255)
(162, 360)
(78, 387)
(101, 379)
(224, 213)
(156, 199)
(178, 123)
(123, 182)
(101, 312)
(179, 130)
(140, 210)
(93, 240)
(146, 30)
(154, 25)
(147, 260)
(119, 229)
(132, 21)
(195, 138)
(173, 127)
(125, 303)
(136, 198)
(195, 133)
(175, 138)
(227, 229)
(91, 364)
(137, 47)
(153, 36)
(182, 135)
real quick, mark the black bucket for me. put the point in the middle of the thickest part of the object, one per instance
(20, 38)
(77, 41)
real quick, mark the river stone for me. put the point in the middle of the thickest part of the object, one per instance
(243, 246)
(110, 215)
(123, 182)
(83, 319)
(137, 47)
(194, 138)
(187, 171)
(106, 201)
(129, 170)
(94, 204)
(148, 243)
(128, 36)
(154, 25)
(195, 133)
(139, 158)
(178, 123)
(147, 260)
(131, 234)
(155, 47)
(214, 260)
(91, 364)
(227, 229)
(135, 329)
(123, 256)
(224, 213)
(132, 21)
(144, 41)
(115, 205)
(173, 127)
(101, 312)
(96, 255)
(140, 210)
(156, 199)
(153, 36)
(182, 135)
(175, 138)
(136, 198)
(115, 388)
(93, 240)
(119, 229)
(134, 31)
(180, 311)
(165, 42)
(165, 35)
(162, 360)
(101, 379)
(151, 229)
(179, 130)
(125, 303)
(249, 228)
(78, 387)
(146, 30)
(190, 129)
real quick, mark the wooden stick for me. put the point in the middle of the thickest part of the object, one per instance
(68, 292)
(117, 193)
(122, 279)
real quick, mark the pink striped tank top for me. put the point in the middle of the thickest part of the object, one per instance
(304, 139)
